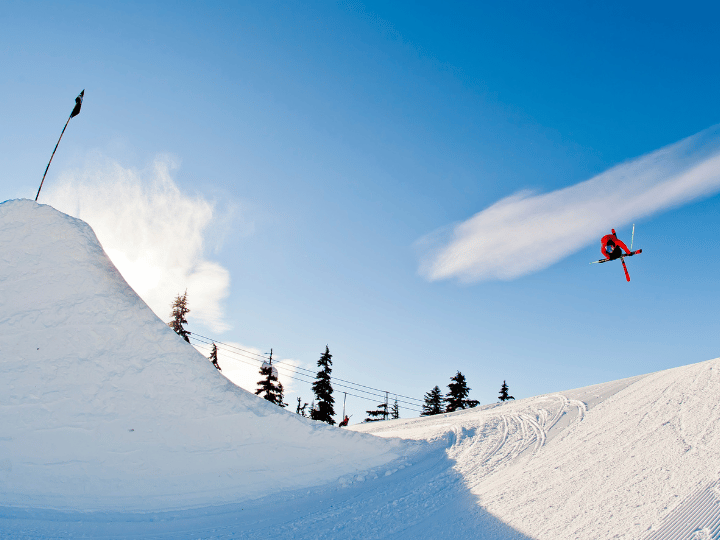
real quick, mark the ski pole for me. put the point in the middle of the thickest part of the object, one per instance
(74, 113)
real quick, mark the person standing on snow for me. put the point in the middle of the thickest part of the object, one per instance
(612, 247)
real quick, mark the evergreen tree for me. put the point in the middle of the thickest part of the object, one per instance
(213, 357)
(504, 392)
(270, 386)
(395, 411)
(179, 311)
(433, 402)
(381, 413)
(456, 398)
(322, 387)
(301, 410)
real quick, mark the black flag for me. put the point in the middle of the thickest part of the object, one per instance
(78, 104)
(75, 112)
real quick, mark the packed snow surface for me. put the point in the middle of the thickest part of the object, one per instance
(607, 461)
(112, 426)
(103, 406)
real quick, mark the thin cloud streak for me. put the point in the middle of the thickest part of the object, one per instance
(528, 232)
(153, 233)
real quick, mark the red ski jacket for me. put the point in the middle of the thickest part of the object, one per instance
(612, 237)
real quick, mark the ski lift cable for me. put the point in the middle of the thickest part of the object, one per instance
(308, 370)
(253, 364)
(376, 397)
(211, 340)
(201, 343)
(309, 380)
(296, 368)
(253, 361)
(293, 369)
(408, 406)
(262, 355)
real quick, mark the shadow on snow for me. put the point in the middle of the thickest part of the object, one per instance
(419, 496)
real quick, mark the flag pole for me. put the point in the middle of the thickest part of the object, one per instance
(75, 112)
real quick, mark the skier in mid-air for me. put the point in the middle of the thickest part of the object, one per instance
(612, 247)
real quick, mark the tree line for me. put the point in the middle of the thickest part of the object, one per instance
(269, 387)
(322, 406)
(456, 398)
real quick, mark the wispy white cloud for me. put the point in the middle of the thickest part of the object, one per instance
(527, 232)
(154, 233)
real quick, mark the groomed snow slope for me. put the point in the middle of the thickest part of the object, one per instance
(631, 459)
(102, 406)
(108, 416)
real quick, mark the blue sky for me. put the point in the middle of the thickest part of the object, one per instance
(330, 140)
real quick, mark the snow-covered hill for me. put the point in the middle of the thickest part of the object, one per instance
(102, 406)
(608, 461)
(112, 426)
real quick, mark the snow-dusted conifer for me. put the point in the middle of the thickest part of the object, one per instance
(179, 310)
(213, 357)
(395, 410)
(381, 413)
(504, 392)
(434, 401)
(322, 387)
(456, 398)
(270, 386)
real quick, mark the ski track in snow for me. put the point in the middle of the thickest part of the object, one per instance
(609, 461)
(421, 495)
(483, 440)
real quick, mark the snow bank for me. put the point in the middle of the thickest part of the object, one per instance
(637, 458)
(102, 406)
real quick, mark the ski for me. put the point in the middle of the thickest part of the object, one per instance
(621, 257)
(627, 274)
